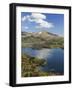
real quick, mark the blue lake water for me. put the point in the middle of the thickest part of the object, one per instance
(54, 58)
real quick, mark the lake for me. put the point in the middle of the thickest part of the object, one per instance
(54, 58)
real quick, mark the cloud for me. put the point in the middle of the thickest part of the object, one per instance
(39, 19)
(38, 16)
(24, 27)
(44, 24)
(24, 18)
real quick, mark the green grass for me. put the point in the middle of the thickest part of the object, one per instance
(30, 67)
(39, 43)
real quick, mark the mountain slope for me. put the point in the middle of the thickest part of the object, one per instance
(42, 40)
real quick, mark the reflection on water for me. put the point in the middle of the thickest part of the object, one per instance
(41, 54)
(54, 58)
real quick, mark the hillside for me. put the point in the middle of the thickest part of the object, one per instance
(42, 40)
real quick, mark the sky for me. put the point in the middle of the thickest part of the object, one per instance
(38, 22)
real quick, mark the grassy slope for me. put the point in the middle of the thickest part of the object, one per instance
(30, 67)
(38, 42)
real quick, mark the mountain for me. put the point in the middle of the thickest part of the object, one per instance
(39, 34)
(41, 39)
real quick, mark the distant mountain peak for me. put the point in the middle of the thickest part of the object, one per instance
(40, 32)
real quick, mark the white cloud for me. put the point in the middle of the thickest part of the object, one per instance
(38, 16)
(45, 24)
(39, 19)
(26, 27)
(24, 18)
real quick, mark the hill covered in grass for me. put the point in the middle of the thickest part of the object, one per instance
(31, 67)
(41, 40)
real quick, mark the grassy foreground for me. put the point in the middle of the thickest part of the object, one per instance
(31, 67)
